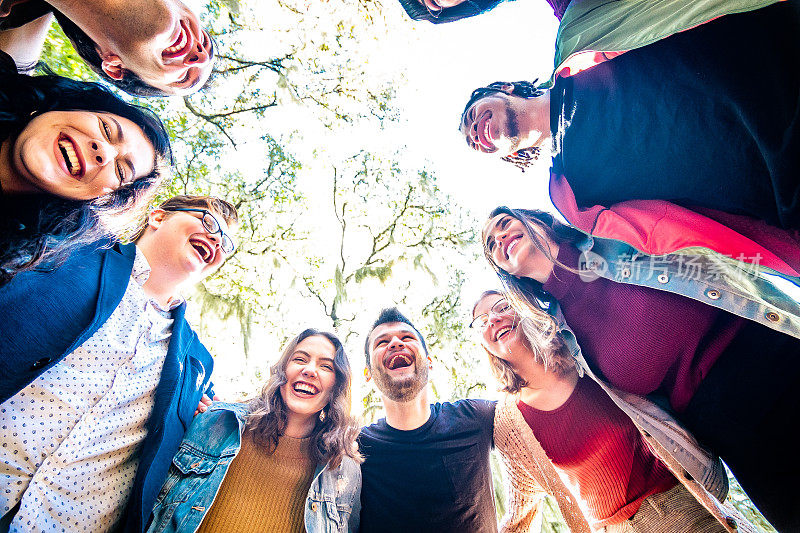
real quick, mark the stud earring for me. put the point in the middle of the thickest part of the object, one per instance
(322, 416)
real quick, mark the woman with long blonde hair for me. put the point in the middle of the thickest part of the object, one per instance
(712, 337)
(557, 421)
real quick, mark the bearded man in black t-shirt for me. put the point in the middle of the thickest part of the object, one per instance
(426, 465)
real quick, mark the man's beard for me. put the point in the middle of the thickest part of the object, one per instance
(401, 390)
(512, 123)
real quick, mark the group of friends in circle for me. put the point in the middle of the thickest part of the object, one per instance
(642, 337)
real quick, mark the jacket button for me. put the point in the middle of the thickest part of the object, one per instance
(625, 272)
(314, 507)
(41, 363)
(713, 294)
(687, 476)
(663, 278)
(772, 316)
(195, 465)
(731, 521)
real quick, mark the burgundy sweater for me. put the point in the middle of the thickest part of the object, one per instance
(600, 450)
(642, 340)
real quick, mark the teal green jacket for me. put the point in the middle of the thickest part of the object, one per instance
(593, 31)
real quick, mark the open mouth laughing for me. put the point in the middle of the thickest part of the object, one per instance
(484, 134)
(510, 244)
(398, 360)
(71, 155)
(205, 250)
(181, 44)
(304, 389)
(503, 332)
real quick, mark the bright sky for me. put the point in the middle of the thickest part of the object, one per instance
(438, 66)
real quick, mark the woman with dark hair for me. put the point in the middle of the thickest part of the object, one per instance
(685, 325)
(76, 164)
(144, 47)
(562, 419)
(441, 11)
(284, 461)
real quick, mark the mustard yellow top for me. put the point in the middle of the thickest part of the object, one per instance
(263, 491)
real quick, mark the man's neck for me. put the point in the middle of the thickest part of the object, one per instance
(109, 21)
(158, 287)
(409, 415)
(536, 122)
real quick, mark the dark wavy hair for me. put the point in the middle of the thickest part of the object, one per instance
(527, 296)
(43, 228)
(554, 355)
(87, 49)
(469, 8)
(331, 439)
(523, 158)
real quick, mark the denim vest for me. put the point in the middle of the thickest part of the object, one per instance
(333, 504)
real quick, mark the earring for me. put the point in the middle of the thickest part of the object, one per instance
(322, 416)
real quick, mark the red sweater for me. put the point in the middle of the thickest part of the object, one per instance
(591, 440)
(642, 340)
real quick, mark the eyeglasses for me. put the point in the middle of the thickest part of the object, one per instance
(500, 307)
(211, 225)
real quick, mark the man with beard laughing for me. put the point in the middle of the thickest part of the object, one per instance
(426, 466)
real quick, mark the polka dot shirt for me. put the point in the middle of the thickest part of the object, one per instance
(68, 455)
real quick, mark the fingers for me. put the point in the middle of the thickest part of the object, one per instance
(205, 402)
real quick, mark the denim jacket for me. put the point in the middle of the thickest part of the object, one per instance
(333, 504)
(747, 290)
(733, 286)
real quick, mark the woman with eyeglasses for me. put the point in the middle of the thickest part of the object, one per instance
(560, 421)
(77, 164)
(714, 338)
(286, 461)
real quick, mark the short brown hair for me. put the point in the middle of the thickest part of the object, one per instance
(183, 201)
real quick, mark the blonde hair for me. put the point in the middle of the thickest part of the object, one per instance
(549, 350)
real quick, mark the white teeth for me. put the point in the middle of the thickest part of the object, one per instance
(303, 387)
(70, 156)
(502, 332)
(486, 133)
(397, 359)
(202, 249)
(181, 43)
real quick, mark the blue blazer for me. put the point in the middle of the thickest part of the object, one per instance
(46, 314)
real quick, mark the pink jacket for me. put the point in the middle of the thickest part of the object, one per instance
(658, 227)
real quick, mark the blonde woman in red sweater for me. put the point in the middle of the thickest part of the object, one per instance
(562, 425)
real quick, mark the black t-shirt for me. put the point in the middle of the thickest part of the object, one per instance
(434, 478)
(707, 117)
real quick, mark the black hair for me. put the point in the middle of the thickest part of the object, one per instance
(469, 8)
(392, 314)
(53, 227)
(524, 157)
(87, 49)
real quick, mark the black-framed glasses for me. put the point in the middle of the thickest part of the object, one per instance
(211, 225)
(481, 321)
